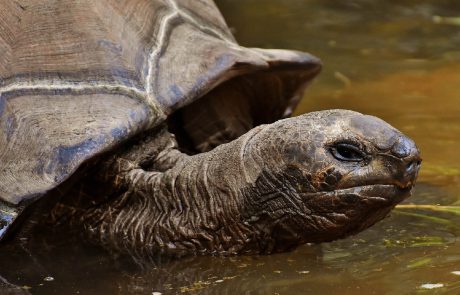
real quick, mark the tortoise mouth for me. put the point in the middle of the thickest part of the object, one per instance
(391, 193)
(346, 211)
(382, 194)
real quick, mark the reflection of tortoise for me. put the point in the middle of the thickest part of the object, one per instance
(102, 82)
(8, 288)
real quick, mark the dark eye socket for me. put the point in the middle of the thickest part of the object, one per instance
(347, 152)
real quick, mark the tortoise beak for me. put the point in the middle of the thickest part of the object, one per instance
(409, 166)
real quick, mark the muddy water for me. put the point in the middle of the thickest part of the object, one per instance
(399, 60)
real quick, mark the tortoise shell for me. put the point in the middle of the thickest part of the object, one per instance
(77, 78)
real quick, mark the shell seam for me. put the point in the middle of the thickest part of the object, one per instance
(154, 53)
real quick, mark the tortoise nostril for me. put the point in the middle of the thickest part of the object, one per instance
(410, 167)
(413, 166)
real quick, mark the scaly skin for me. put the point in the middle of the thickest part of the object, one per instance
(312, 178)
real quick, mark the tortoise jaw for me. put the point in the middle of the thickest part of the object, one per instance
(344, 212)
(373, 194)
(390, 194)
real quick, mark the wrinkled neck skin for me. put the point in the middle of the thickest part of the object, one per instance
(196, 206)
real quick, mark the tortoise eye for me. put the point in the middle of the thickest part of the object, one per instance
(347, 152)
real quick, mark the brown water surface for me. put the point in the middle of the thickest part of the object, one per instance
(399, 60)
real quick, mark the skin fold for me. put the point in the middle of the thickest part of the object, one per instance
(312, 178)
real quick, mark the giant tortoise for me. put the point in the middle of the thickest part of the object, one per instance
(145, 124)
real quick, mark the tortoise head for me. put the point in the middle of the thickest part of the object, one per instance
(326, 175)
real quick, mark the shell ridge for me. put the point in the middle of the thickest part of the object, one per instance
(155, 53)
(69, 86)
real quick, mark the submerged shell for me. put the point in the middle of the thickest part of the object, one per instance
(79, 77)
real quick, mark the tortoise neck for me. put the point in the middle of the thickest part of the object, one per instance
(195, 206)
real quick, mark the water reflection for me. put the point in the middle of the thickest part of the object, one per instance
(387, 259)
(393, 59)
